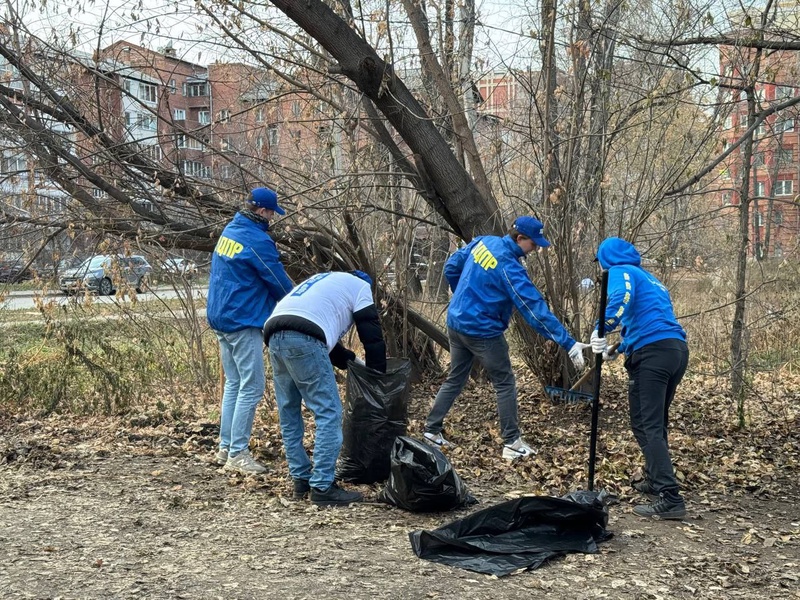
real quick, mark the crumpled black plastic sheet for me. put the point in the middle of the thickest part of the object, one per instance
(518, 534)
(422, 479)
(375, 413)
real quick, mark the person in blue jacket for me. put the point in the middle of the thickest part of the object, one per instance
(488, 281)
(247, 280)
(656, 357)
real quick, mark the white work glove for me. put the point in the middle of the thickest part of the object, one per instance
(576, 355)
(600, 346)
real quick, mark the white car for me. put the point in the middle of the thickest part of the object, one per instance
(179, 266)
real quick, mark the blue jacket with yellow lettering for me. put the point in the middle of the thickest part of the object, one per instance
(247, 277)
(488, 281)
(636, 299)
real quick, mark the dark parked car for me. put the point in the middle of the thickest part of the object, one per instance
(14, 271)
(103, 274)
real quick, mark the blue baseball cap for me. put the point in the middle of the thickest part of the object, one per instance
(362, 275)
(532, 228)
(265, 198)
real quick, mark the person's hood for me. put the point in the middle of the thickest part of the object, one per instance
(616, 251)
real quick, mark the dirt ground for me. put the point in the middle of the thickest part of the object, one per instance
(133, 508)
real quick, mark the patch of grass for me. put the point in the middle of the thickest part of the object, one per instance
(105, 359)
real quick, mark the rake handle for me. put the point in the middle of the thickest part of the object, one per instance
(585, 377)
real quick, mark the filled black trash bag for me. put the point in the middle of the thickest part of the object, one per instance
(375, 413)
(518, 534)
(422, 479)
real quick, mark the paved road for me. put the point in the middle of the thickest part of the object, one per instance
(21, 300)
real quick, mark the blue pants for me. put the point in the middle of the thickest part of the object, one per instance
(303, 373)
(242, 354)
(493, 355)
(655, 372)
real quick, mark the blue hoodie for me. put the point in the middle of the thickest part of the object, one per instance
(488, 281)
(636, 299)
(247, 277)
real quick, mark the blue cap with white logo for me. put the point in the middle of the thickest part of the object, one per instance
(532, 228)
(266, 198)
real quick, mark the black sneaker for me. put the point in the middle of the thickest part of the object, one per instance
(334, 496)
(301, 489)
(662, 509)
(643, 487)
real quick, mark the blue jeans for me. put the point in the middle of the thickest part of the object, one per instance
(242, 354)
(303, 372)
(493, 355)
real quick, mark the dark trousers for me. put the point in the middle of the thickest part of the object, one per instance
(492, 353)
(655, 372)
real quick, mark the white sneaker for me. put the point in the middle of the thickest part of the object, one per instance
(221, 457)
(519, 449)
(244, 463)
(436, 440)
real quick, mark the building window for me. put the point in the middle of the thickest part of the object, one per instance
(129, 119)
(783, 91)
(152, 152)
(758, 159)
(204, 117)
(783, 187)
(727, 198)
(225, 144)
(180, 140)
(272, 135)
(148, 93)
(193, 168)
(785, 156)
(195, 144)
(172, 86)
(777, 250)
(728, 122)
(260, 114)
(147, 122)
(126, 85)
(296, 108)
(193, 90)
(14, 164)
(761, 130)
(180, 114)
(759, 220)
(98, 193)
(260, 143)
(759, 189)
(226, 171)
(224, 116)
(784, 125)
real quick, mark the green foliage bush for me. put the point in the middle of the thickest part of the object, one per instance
(107, 364)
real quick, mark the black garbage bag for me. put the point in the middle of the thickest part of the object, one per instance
(518, 534)
(375, 413)
(422, 479)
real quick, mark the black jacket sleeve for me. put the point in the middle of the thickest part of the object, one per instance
(368, 326)
(340, 355)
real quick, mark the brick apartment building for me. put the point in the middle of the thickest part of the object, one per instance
(775, 165)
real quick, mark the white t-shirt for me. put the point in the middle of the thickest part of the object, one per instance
(328, 300)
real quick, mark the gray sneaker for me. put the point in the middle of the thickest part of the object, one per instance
(221, 457)
(245, 464)
(662, 509)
